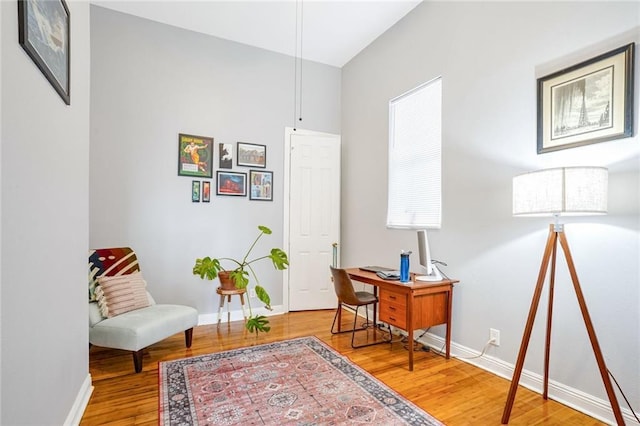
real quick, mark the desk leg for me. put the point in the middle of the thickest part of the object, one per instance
(410, 343)
(449, 307)
(375, 309)
(410, 306)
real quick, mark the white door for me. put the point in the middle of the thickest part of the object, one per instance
(313, 218)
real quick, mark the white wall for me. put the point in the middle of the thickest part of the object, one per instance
(489, 56)
(44, 156)
(150, 82)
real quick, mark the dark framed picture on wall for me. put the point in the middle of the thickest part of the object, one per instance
(195, 156)
(252, 155)
(206, 191)
(195, 191)
(231, 183)
(225, 155)
(43, 32)
(261, 182)
(587, 103)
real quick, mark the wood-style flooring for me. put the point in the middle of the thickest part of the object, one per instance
(453, 391)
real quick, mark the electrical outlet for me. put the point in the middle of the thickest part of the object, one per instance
(252, 293)
(494, 336)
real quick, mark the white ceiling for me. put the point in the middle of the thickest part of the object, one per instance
(329, 31)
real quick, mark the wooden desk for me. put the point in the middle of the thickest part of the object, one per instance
(413, 305)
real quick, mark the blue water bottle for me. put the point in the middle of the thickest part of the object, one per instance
(404, 266)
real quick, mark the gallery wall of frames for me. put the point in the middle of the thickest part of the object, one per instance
(197, 156)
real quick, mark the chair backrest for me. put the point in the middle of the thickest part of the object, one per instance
(344, 287)
(110, 262)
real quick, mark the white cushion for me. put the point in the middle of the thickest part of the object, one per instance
(137, 329)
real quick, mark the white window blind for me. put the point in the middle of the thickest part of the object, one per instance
(415, 141)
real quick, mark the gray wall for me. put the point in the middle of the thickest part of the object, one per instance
(150, 82)
(44, 155)
(489, 56)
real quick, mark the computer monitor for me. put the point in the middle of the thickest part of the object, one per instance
(430, 272)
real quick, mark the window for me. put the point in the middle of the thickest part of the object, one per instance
(415, 166)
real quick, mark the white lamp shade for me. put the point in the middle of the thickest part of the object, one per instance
(562, 191)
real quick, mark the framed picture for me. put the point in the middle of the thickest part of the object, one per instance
(206, 191)
(587, 103)
(195, 191)
(231, 183)
(195, 155)
(252, 155)
(225, 155)
(261, 183)
(43, 32)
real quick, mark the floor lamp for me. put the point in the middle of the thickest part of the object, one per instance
(556, 192)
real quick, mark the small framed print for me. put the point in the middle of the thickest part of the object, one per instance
(261, 183)
(195, 156)
(195, 191)
(231, 183)
(587, 103)
(206, 191)
(225, 151)
(252, 155)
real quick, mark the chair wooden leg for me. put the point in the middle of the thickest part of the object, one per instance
(188, 337)
(137, 360)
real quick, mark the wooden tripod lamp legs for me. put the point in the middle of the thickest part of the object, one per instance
(550, 254)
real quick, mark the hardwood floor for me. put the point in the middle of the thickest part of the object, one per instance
(453, 391)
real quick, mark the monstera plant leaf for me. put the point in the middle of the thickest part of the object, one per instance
(264, 297)
(257, 324)
(279, 259)
(207, 268)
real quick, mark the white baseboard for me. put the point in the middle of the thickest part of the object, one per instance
(80, 404)
(236, 315)
(566, 395)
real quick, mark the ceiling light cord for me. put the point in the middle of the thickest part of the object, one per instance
(295, 71)
(301, 44)
(297, 107)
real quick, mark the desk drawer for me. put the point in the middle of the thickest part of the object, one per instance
(393, 308)
(388, 296)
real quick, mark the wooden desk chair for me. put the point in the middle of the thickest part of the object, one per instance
(348, 297)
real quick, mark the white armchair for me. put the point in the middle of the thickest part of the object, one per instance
(126, 317)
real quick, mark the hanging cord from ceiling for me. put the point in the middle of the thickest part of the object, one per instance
(297, 61)
(301, 45)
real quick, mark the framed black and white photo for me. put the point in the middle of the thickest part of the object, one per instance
(225, 151)
(252, 155)
(261, 183)
(587, 103)
(43, 32)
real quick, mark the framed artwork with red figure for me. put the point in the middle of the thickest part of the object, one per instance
(231, 183)
(206, 191)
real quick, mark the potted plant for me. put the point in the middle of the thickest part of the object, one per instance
(211, 268)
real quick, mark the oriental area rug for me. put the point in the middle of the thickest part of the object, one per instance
(294, 382)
